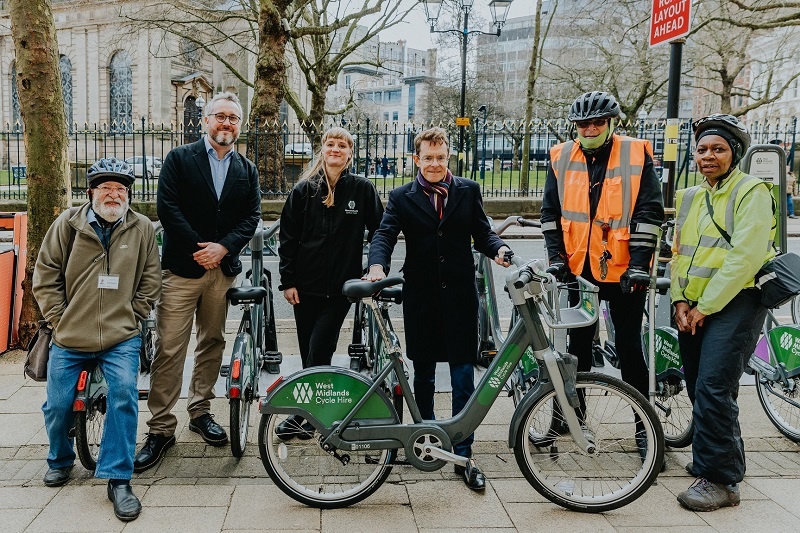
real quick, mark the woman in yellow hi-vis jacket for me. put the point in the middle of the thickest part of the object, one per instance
(723, 237)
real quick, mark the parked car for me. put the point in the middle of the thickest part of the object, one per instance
(298, 149)
(153, 166)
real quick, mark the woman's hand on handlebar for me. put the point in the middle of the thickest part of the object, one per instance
(503, 257)
(375, 273)
(291, 296)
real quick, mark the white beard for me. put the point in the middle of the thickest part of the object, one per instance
(110, 212)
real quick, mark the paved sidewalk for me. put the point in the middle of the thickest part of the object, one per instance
(198, 488)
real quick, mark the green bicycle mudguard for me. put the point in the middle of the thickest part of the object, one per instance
(785, 342)
(328, 393)
(668, 354)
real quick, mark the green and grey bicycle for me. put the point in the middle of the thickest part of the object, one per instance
(594, 465)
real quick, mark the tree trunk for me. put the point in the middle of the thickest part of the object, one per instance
(524, 178)
(266, 146)
(46, 143)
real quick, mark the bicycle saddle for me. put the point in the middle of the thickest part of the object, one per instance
(358, 288)
(246, 295)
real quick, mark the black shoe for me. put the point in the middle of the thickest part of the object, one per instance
(211, 432)
(473, 477)
(690, 469)
(294, 426)
(152, 452)
(55, 477)
(126, 505)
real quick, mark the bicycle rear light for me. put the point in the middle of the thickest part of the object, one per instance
(398, 390)
(79, 405)
(235, 392)
(236, 369)
(82, 379)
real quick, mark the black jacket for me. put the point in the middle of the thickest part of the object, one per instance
(440, 296)
(322, 247)
(190, 212)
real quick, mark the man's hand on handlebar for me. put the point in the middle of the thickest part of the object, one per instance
(560, 271)
(634, 279)
(375, 273)
(504, 255)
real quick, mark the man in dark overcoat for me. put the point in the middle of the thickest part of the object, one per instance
(440, 215)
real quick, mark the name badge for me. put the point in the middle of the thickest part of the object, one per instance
(108, 282)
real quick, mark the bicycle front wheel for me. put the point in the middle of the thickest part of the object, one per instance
(775, 398)
(89, 425)
(674, 410)
(314, 477)
(629, 447)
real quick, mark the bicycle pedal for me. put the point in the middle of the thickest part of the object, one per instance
(225, 371)
(356, 350)
(273, 358)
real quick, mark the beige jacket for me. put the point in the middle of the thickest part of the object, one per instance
(86, 317)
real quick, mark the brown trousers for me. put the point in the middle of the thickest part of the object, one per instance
(183, 299)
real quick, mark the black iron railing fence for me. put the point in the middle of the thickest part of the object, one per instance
(383, 152)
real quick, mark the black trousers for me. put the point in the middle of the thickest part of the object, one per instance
(713, 361)
(319, 321)
(627, 312)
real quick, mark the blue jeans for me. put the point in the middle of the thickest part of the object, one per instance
(120, 364)
(462, 379)
(789, 204)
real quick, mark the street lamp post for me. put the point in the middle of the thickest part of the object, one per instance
(483, 109)
(499, 9)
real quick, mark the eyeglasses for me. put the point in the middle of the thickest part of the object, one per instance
(108, 190)
(430, 159)
(596, 122)
(221, 117)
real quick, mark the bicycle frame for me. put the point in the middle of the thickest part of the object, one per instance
(354, 414)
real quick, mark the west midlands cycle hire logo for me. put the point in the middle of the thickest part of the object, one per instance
(787, 340)
(303, 393)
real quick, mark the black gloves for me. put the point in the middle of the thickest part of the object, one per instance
(560, 271)
(634, 279)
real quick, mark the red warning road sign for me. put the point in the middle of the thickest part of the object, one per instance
(670, 20)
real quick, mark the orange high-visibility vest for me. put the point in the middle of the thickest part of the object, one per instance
(610, 230)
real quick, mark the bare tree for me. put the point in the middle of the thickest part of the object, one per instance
(770, 14)
(42, 106)
(723, 57)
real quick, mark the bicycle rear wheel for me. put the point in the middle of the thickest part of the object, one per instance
(243, 366)
(775, 398)
(674, 410)
(314, 477)
(89, 425)
(147, 351)
(629, 447)
(796, 310)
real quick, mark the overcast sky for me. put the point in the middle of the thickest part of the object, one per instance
(415, 29)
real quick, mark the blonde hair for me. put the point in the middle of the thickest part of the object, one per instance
(317, 164)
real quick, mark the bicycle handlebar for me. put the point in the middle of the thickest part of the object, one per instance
(516, 221)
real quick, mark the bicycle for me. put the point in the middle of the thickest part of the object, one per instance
(255, 346)
(358, 432)
(368, 352)
(89, 406)
(147, 352)
(490, 332)
(775, 363)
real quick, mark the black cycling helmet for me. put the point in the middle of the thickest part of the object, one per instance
(110, 169)
(595, 104)
(726, 126)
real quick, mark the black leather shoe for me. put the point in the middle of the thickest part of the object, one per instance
(473, 477)
(294, 426)
(211, 432)
(152, 452)
(55, 477)
(126, 504)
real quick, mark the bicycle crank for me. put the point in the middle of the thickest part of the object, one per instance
(426, 447)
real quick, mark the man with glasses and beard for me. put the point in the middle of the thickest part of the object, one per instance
(96, 277)
(209, 204)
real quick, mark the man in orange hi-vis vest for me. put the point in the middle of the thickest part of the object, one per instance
(601, 212)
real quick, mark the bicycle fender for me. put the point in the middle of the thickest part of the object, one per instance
(668, 355)
(241, 344)
(327, 393)
(522, 407)
(785, 342)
